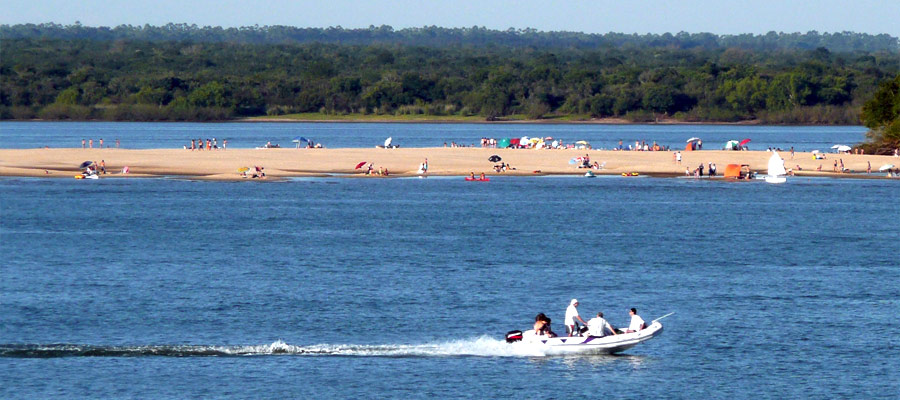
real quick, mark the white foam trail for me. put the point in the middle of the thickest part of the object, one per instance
(483, 346)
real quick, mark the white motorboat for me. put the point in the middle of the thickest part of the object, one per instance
(609, 344)
(776, 171)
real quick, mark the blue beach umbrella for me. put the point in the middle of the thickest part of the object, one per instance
(299, 139)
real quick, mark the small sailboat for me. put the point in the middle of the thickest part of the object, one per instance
(776, 169)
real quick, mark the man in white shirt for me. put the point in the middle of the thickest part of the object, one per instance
(571, 317)
(599, 327)
(637, 323)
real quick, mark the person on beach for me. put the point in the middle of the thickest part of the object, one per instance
(869, 167)
(224, 144)
(842, 165)
(835, 166)
(599, 327)
(103, 167)
(193, 144)
(208, 146)
(572, 318)
(82, 143)
(215, 144)
(700, 168)
(678, 157)
(792, 152)
(91, 143)
(637, 323)
(117, 143)
(101, 143)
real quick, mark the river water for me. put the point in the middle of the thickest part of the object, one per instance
(136, 135)
(349, 288)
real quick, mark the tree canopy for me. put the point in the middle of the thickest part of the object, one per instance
(181, 72)
(881, 114)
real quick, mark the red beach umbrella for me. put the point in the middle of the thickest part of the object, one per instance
(358, 166)
(745, 141)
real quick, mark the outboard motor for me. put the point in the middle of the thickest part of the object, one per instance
(513, 336)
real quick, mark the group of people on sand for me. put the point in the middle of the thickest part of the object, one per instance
(89, 143)
(198, 144)
(259, 173)
(95, 169)
(576, 326)
(643, 145)
(698, 172)
(502, 167)
(370, 170)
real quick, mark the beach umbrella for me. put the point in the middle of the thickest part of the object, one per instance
(387, 142)
(693, 139)
(836, 146)
(358, 166)
(494, 158)
(572, 161)
(743, 142)
(548, 138)
(815, 152)
(584, 142)
(503, 143)
(85, 164)
(731, 144)
(886, 167)
(843, 148)
(299, 139)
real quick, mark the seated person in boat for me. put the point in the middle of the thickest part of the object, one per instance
(599, 327)
(637, 323)
(542, 326)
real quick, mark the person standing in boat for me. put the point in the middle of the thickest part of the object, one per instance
(572, 318)
(598, 326)
(637, 323)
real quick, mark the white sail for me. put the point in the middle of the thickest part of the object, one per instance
(776, 165)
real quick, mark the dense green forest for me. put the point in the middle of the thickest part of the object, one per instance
(183, 72)
(881, 114)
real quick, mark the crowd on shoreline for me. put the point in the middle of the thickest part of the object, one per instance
(89, 143)
(211, 144)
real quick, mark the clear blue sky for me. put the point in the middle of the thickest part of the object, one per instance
(592, 16)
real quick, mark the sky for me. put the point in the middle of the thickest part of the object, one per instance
(597, 16)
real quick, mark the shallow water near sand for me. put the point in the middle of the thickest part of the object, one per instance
(350, 288)
(148, 135)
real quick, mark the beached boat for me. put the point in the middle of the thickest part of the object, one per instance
(776, 171)
(610, 344)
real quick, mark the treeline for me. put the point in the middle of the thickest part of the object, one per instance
(146, 80)
(432, 36)
(881, 114)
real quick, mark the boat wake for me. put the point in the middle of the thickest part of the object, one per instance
(476, 347)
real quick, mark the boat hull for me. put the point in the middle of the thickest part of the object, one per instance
(591, 344)
(776, 179)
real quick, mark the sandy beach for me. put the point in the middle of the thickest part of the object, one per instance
(280, 163)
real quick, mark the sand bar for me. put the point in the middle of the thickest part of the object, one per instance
(224, 165)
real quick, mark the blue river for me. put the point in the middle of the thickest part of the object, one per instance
(136, 135)
(404, 288)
